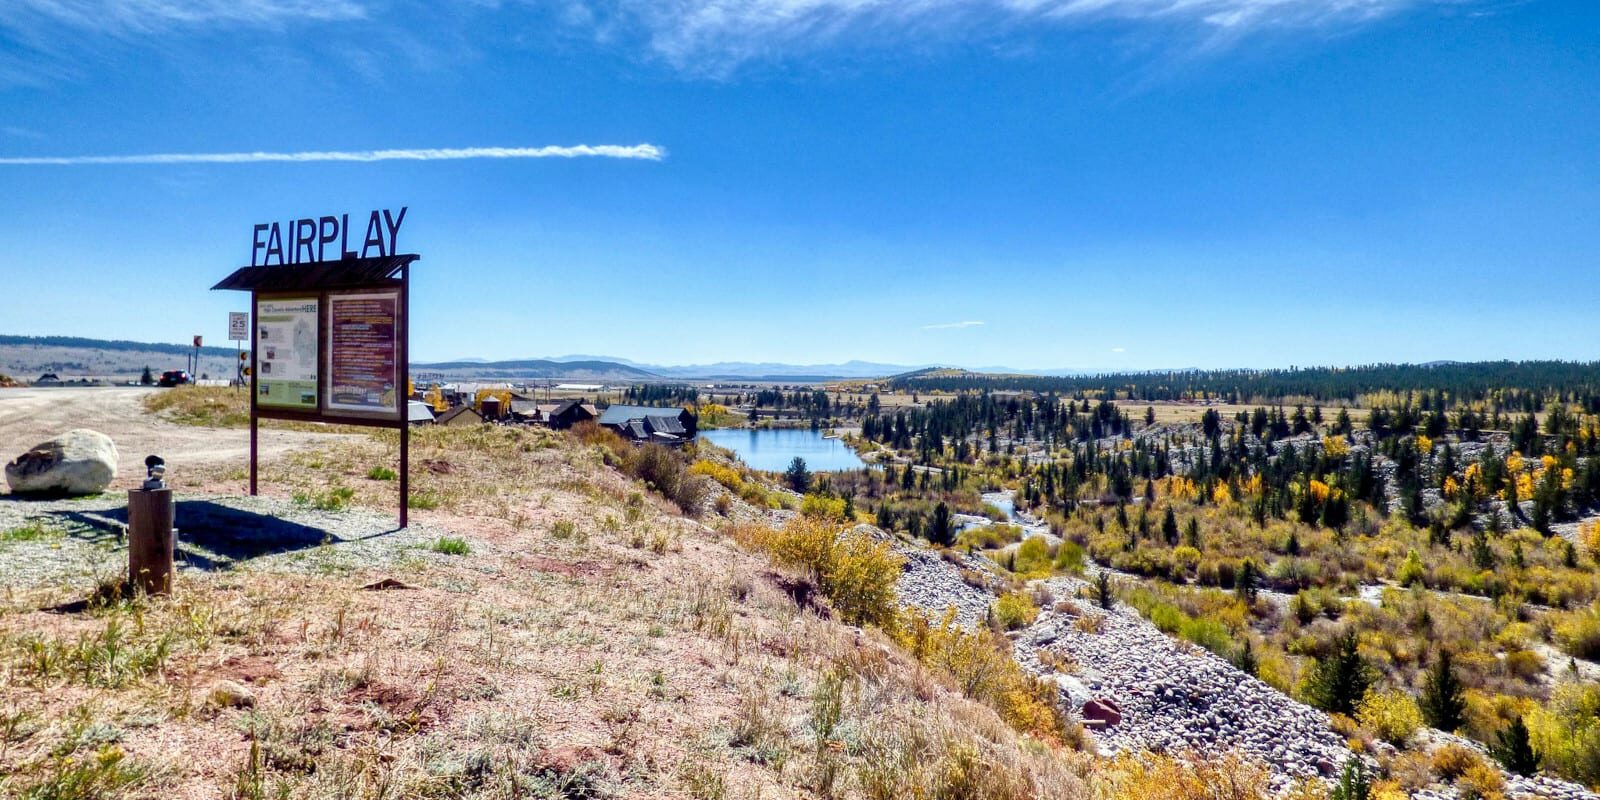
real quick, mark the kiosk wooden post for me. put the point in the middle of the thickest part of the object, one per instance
(150, 520)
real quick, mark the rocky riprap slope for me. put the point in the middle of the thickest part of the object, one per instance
(934, 582)
(1174, 697)
(933, 585)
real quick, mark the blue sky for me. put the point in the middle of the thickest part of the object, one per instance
(1034, 183)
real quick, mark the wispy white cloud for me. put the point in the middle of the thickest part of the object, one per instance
(948, 325)
(143, 17)
(644, 152)
(716, 35)
(45, 41)
(1119, 349)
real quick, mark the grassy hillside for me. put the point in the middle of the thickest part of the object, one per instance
(568, 634)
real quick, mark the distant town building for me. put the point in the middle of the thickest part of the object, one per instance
(459, 415)
(650, 423)
(418, 413)
(569, 414)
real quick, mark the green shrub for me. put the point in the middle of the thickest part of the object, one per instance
(30, 532)
(989, 537)
(381, 474)
(1210, 634)
(1015, 610)
(1167, 619)
(1069, 558)
(450, 546)
(105, 774)
(1339, 680)
(1514, 749)
(336, 498)
(1032, 558)
(1443, 702)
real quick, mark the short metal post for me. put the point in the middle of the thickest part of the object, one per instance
(150, 540)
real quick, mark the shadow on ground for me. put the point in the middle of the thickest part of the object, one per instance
(211, 535)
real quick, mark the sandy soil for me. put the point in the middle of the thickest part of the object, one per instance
(33, 415)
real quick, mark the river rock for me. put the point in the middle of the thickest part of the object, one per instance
(77, 462)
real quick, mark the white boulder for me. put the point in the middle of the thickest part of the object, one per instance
(77, 462)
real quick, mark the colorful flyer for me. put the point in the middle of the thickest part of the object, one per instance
(286, 353)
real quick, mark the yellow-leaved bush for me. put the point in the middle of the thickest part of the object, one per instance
(1015, 610)
(1391, 716)
(855, 572)
(981, 666)
(824, 507)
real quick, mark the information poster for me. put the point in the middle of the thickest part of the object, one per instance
(361, 352)
(286, 353)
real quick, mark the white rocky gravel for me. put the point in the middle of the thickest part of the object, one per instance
(84, 539)
(933, 585)
(1178, 698)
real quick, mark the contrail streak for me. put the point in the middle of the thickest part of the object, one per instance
(644, 152)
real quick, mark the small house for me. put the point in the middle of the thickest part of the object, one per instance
(651, 424)
(525, 410)
(459, 415)
(418, 413)
(569, 414)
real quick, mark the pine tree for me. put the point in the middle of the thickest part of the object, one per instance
(941, 532)
(146, 378)
(1442, 703)
(1245, 583)
(1191, 533)
(1245, 660)
(1353, 784)
(1169, 528)
(1482, 555)
(1104, 593)
(1339, 680)
(1514, 751)
(798, 476)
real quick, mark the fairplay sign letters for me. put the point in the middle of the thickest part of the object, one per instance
(302, 241)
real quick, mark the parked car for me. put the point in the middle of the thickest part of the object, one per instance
(174, 377)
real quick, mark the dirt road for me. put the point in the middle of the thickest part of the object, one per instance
(33, 415)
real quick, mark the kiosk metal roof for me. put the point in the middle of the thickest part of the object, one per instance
(348, 273)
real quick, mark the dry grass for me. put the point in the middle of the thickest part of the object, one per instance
(205, 406)
(591, 642)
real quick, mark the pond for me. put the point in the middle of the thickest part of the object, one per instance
(774, 448)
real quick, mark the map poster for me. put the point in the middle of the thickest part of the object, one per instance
(286, 353)
(361, 352)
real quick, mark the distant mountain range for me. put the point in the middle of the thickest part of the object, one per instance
(610, 368)
(534, 369)
(24, 355)
(748, 370)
